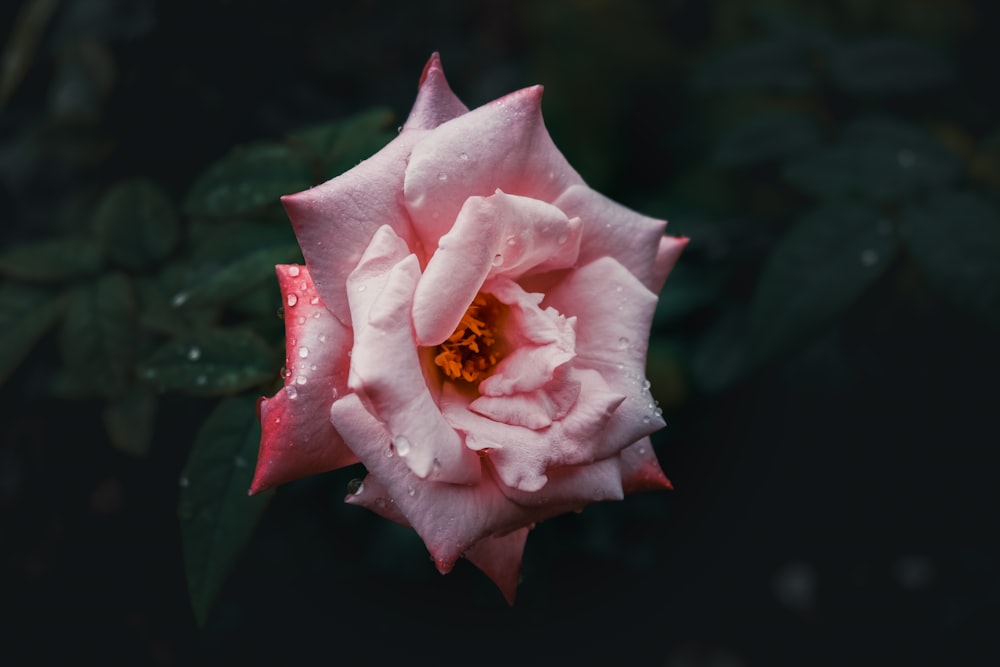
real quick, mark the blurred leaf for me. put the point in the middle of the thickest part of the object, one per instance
(129, 421)
(249, 178)
(211, 363)
(877, 158)
(815, 274)
(161, 298)
(98, 335)
(888, 65)
(240, 276)
(136, 224)
(767, 137)
(955, 240)
(25, 314)
(719, 359)
(342, 144)
(688, 288)
(215, 245)
(217, 518)
(772, 64)
(51, 260)
(22, 42)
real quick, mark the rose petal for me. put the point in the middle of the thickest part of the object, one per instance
(435, 102)
(667, 255)
(499, 235)
(501, 145)
(500, 558)
(385, 366)
(334, 222)
(372, 495)
(297, 439)
(640, 469)
(612, 230)
(535, 409)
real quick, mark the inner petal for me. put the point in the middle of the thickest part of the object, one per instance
(477, 345)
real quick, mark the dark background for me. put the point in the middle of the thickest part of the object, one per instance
(835, 503)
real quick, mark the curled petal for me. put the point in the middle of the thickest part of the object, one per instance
(501, 145)
(640, 469)
(298, 440)
(534, 409)
(435, 102)
(612, 230)
(667, 255)
(499, 235)
(385, 366)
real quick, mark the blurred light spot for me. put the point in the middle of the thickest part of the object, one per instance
(794, 585)
(913, 572)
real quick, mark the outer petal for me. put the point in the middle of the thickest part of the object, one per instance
(435, 102)
(667, 255)
(334, 222)
(298, 439)
(385, 367)
(499, 235)
(614, 313)
(612, 230)
(640, 469)
(500, 558)
(501, 145)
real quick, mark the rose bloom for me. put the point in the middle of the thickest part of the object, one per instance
(471, 324)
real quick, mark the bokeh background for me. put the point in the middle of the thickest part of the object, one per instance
(826, 352)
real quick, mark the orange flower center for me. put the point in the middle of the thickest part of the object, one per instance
(471, 352)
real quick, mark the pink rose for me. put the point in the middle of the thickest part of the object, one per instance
(471, 325)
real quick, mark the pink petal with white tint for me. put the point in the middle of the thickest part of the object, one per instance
(667, 255)
(334, 222)
(385, 366)
(435, 102)
(535, 409)
(499, 235)
(640, 469)
(522, 456)
(372, 495)
(500, 558)
(502, 145)
(612, 230)
(298, 440)
(614, 312)
(541, 340)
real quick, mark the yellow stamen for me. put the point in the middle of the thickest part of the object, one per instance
(470, 353)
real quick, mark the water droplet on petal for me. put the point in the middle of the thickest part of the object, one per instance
(322, 338)
(303, 352)
(292, 300)
(194, 353)
(642, 450)
(389, 453)
(314, 301)
(402, 444)
(623, 342)
(302, 379)
(362, 288)
(410, 490)
(563, 238)
(442, 176)
(292, 392)
(511, 240)
(463, 156)
(356, 486)
(301, 320)
(293, 271)
(497, 259)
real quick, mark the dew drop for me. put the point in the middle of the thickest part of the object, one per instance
(322, 338)
(284, 373)
(410, 490)
(314, 301)
(389, 453)
(316, 315)
(356, 486)
(645, 419)
(179, 299)
(314, 367)
(302, 379)
(658, 412)
(303, 352)
(194, 354)
(623, 342)
(292, 300)
(511, 240)
(362, 288)
(303, 286)
(302, 320)
(646, 384)
(402, 444)
(463, 156)
(292, 392)
(619, 289)
(563, 238)
(442, 176)
(642, 450)
(497, 259)
(293, 271)
(201, 380)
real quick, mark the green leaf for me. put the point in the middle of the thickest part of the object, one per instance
(342, 144)
(772, 64)
(248, 179)
(877, 158)
(129, 421)
(769, 137)
(51, 260)
(98, 334)
(25, 314)
(888, 65)
(815, 274)
(136, 223)
(216, 517)
(162, 298)
(240, 276)
(211, 363)
(955, 240)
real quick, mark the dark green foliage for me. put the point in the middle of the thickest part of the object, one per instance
(25, 313)
(136, 224)
(888, 65)
(217, 518)
(51, 260)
